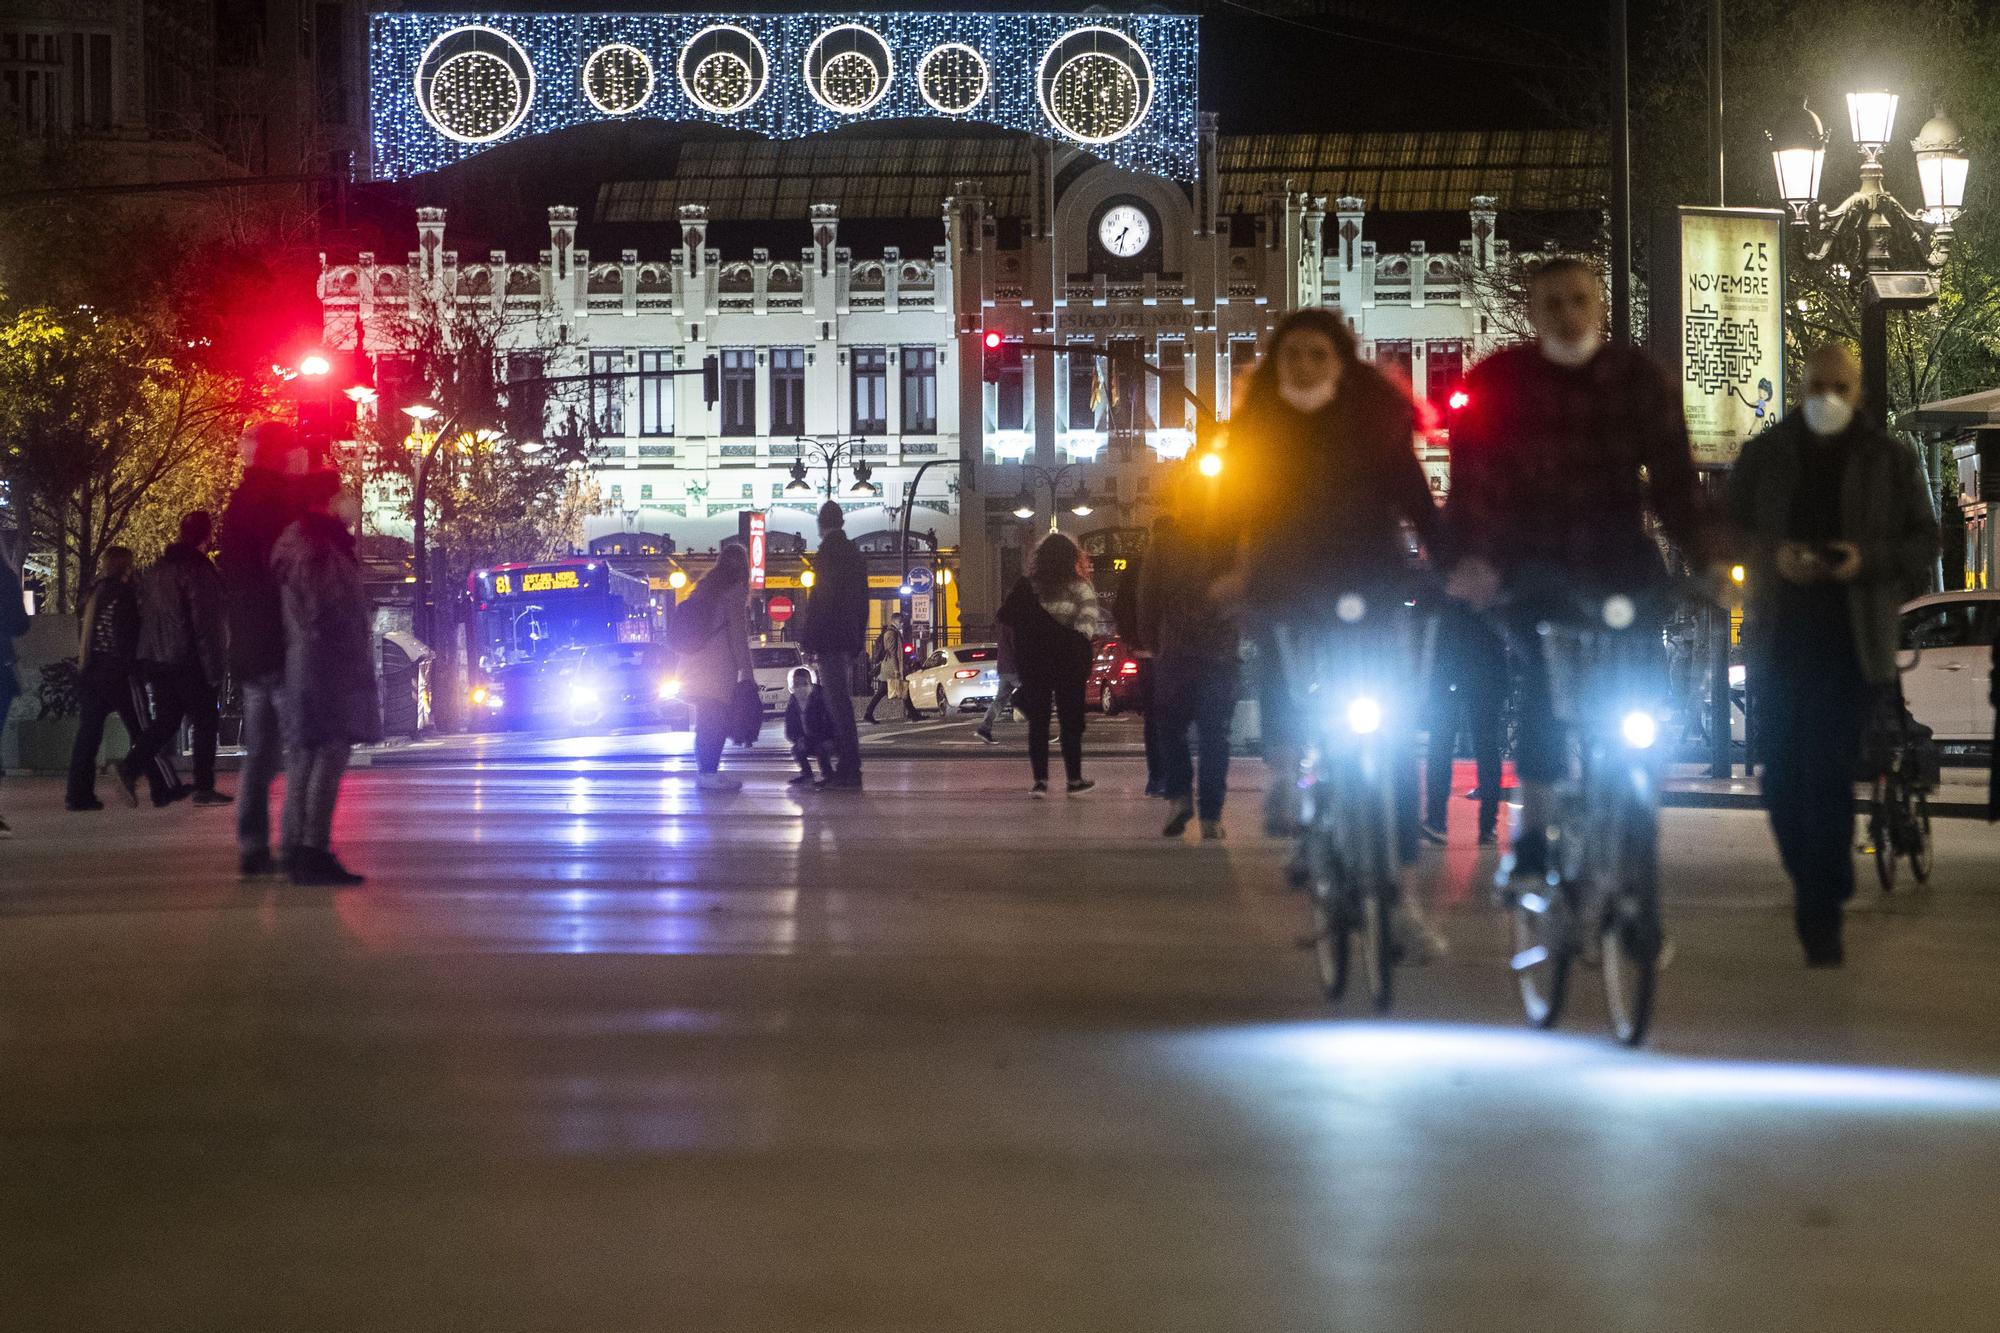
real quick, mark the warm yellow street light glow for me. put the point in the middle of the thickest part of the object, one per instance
(806, 579)
(420, 411)
(677, 580)
(1210, 465)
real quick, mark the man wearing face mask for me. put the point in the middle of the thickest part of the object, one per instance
(1838, 532)
(1563, 447)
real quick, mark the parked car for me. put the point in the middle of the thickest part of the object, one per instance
(952, 679)
(772, 664)
(1114, 676)
(1950, 636)
(611, 684)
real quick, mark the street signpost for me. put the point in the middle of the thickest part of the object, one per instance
(779, 608)
(920, 608)
(752, 527)
(920, 579)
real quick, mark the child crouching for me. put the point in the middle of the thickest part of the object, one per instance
(809, 727)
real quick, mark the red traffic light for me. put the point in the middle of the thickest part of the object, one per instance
(992, 339)
(1458, 400)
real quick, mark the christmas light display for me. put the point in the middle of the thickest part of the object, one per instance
(724, 69)
(618, 79)
(848, 68)
(953, 78)
(444, 86)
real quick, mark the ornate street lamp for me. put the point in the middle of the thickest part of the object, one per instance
(1080, 504)
(1888, 255)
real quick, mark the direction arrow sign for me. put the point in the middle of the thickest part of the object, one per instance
(920, 578)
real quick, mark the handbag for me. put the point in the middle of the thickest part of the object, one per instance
(746, 713)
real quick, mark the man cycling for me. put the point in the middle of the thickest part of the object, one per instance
(1564, 445)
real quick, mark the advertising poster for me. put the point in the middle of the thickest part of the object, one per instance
(1731, 328)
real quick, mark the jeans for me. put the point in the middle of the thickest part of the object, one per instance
(263, 758)
(1474, 701)
(1814, 715)
(1191, 693)
(711, 733)
(1156, 776)
(836, 677)
(1003, 701)
(101, 692)
(312, 788)
(179, 692)
(1066, 698)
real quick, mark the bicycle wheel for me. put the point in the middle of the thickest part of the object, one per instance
(1542, 953)
(1630, 935)
(1919, 829)
(1882, 834)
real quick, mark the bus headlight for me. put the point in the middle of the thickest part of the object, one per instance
(670, 689)
(1364, 715)
(1640, 729)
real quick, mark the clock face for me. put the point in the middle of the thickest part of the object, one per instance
(1124, 231)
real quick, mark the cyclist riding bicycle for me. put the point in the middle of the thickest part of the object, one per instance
(1324, 476)
(1563, 447)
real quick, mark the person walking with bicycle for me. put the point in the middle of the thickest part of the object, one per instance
(1837, 531)
(1564, 445)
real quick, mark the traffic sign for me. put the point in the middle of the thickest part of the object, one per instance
(779, 608)
(920, 608)
(920, 578)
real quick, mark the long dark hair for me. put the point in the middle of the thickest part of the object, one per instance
(729, 574)
(1364, 381)
(1058, 562)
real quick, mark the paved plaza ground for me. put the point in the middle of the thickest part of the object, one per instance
(595, 1052)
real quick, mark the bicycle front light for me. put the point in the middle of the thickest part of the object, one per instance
(670, 689)
(1640, 729)
(1364, 715)
(582, 696)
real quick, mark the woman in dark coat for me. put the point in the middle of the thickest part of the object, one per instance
(1054, 616)
(712, 634)
(330, 704)
(1323, 465)
(1193, 635)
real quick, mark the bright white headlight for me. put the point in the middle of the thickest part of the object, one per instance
(1350, 608)
(1364, 715)
(1619, 611)
(670, 689)
(582, 696)
(1640, 729)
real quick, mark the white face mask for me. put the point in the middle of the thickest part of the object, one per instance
(1571, 353)
(1309, 398)
(1828, 414)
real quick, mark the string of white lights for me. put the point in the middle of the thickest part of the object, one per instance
(445, 86)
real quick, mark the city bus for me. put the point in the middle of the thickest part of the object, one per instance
(524, 615)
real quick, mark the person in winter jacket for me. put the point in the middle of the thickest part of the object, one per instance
(13, 624)
(1125, 619)
(329, 699)
(834, 633)
(1054, 615)
(107, 653)
(183, 656)
(886, 657)
(809, 726)
(1194, 636)
(266, 502)
(713, 625)
(1834, 518)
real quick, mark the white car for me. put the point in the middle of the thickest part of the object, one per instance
(954, 678)
(772, 664)
(1951, 636)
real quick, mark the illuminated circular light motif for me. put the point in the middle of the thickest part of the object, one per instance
(1095, 85)
(723, 69)
(475, 84)
(618, 79)
(953, 78)
(848, 68)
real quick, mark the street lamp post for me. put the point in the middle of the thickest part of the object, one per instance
(903, 531)
(421, 414)
(831, 453)
(1037, 477)
(1888, 255)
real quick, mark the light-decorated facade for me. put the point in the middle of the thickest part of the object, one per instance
(1121, 231)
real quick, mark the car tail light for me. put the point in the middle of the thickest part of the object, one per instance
(1128, 668)
(964, 675)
